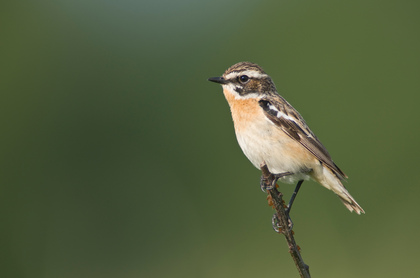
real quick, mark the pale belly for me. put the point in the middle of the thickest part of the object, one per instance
(264, 143)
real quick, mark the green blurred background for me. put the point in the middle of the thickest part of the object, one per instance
(119, 159)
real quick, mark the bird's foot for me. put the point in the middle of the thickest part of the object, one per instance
(268, 183)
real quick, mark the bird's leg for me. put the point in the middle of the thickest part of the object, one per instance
(292, 199)
(275, 220)
(263, 184)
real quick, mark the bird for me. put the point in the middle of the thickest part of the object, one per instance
(271, 132)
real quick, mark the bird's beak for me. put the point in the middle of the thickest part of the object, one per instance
(219, 80)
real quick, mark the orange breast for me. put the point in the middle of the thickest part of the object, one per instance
(244, 111)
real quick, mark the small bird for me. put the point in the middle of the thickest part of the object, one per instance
(271, 132)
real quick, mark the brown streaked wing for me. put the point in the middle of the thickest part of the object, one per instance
(298, 131)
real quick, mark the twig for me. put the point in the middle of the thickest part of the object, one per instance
(278, 205)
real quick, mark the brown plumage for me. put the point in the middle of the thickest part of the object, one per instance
(271, 132)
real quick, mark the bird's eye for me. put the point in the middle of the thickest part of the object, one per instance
(243, 78)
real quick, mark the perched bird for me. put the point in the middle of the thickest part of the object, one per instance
(271, 132)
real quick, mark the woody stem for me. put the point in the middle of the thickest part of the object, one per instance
(278, 204)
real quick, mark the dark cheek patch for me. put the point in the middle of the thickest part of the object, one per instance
(239, 90)
(253, 85)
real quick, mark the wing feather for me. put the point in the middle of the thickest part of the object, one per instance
(283, 115)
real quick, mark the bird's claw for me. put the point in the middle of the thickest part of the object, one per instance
(264, 184)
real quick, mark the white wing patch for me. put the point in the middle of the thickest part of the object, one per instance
(280, 114)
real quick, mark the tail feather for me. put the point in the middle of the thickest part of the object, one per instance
(332, 182)
(351, 203)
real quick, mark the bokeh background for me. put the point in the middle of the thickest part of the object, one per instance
(119, 159)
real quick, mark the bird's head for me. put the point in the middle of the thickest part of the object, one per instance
(246, 80)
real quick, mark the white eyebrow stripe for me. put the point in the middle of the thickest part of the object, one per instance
(249, 73)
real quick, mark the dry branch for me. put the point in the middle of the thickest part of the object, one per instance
(278, 205)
